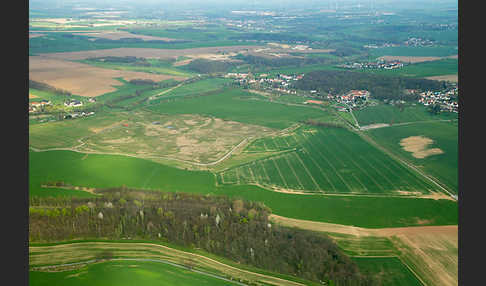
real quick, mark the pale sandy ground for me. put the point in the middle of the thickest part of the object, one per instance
(413, 60)
(35, 35)
(418, 146)
(116, 35)
(450, 77)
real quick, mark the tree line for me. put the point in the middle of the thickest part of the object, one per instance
(45, 87)
(380, 86)
(232, 228)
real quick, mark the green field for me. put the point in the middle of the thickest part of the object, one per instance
(65, 42)
(328, 160)
(238, 105)
(157, 66)
(438, 51)
(445, 137)
(390, 270)
(425, 69)
(391, 114)
(125, 273)
(102, 171)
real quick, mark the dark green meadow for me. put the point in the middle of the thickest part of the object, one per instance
(425, 69)
(392, 114)
(104, 171)
(328, 160)
(397, 274)
(445, 137)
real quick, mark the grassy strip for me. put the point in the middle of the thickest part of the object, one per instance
(180, 248)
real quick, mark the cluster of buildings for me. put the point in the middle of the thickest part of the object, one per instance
(33, 106)
(385, 45)
(78, 114)
(418, 42)
(280, 82)
(73, 103)
(353, 98)
(443, 99)
(379, 64)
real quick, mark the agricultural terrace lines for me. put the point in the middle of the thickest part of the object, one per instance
(329, 160)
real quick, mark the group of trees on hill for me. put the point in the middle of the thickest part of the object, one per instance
(380, 86)
(259, 61)
(45, 87)
(231, 228)
(209, 66)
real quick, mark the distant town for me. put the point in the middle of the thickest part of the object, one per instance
(446, 100)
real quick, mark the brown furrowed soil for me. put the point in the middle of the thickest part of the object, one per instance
(450, 77)
(82, 79)
(35, 35)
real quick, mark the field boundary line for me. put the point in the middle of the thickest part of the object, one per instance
(322, 172)
(308, 173)
(251, 173)
(360, 167)
(330, 164)
(411, 166)
(293, 171)
(411, 270)
(190, 254)
(265, 171)
(280, 173)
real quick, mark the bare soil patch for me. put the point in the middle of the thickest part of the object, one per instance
(450, 78)
(417, 145)
(411, 60)
(35, 35)
(82, 79)
(116, 35)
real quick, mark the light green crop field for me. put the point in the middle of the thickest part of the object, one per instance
(445, 137)
(239, 105)
(327, 160)
(158, 67)
(194, 88)
(125, 273)
(66, 133)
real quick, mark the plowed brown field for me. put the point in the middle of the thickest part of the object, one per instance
(82, 79)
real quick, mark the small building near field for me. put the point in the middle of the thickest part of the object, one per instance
(73, 103)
